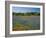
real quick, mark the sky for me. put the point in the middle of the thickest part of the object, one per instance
(25, 9)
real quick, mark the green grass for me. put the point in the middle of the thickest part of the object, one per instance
(20, 27)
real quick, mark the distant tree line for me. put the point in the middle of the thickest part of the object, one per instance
(26, 14)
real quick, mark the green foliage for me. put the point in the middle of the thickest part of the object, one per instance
(26, 14)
